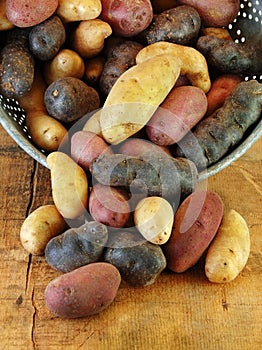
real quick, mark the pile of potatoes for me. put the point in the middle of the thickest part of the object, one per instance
(129, 100)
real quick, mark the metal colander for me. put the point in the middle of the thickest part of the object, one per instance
(246, 27)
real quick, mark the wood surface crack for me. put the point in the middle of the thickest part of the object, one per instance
(28, 272)
(33, 321)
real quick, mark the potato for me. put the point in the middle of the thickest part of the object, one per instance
(182, 109)
(69, 185)
(67, 63)
(138, 261)
(46, 38)
(221, 87)
(77, 247)
(39, 227)
(16, 68)
(215, 13)
(229, 251)
(109, 205)
(178, 25)
(154, 174)
(68, 99)
(126, 17)
(154, 217)
(93, 124)
(191, 62)
(121, 58)
(215, 136)
(89, 36)
(86, 146)
(222, 33)
(138, 147)
(78, 10)
(46, 132)
(5, 24)
(134, 98)
(195, 224)
(93, 70)
(83, 292)
(28, 13)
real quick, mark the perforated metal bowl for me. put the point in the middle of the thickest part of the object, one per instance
(245, 28)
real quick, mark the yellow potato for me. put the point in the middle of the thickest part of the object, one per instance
(78, 10)
(39, 227)
(69, 185)
(89, 36)
(154, 219)
(136, 95)
(67, 63)
(93, 124)
(192, 63)
(5, 24)
(229, 251)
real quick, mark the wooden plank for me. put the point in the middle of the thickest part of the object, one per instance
(179, 311)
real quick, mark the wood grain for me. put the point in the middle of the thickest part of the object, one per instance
(179, 311)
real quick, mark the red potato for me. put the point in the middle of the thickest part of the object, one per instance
(221, 87)
(109, 205)
(83, 292)
(86, 146)
(182, 109)
(214, 13)
(195, 225)
(28, 13)
(137, 147)
(127, 18)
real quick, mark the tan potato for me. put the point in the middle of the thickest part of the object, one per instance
(192, 63)
(93, 124)
(135, 96)
(67, 63)
(222, 33)
(89, 36)
(154, 217)
(69, 185)
(93, 70)
(46, 132)
(39, 227)
(78, 10)
(229, 251)
(5, 24)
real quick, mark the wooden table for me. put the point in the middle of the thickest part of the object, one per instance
(179, 311)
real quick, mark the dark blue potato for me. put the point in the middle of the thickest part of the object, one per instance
(138, 261)
(16, 67)
(215, 136)
(179, 25)
(68, 99)
(46, 38)
(77, 247)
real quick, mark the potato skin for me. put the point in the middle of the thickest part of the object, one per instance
(109, 205)
(86, 146)
(217, 134)
(221, 87)
(182, 109)
(195, 225)
(138, 261)
(39, 227)
(229, 251)
(16, 69)
(83, 292)
(214, 13)
(121, 58)
(178, 25)
(76, 247)
(127, 18)
(138, 147)
(28, 13)
(46, 38)
(68, 99)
